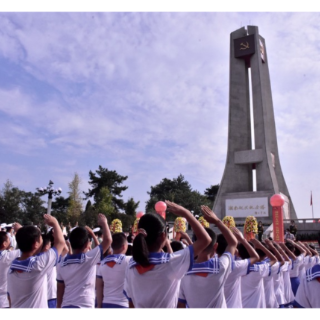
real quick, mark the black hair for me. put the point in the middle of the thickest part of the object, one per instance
(78, 238)
(26, 237)
(242, 251)
(312, 246)
(118, 240)
(154, 225)
(46, 240)
(293, 248)
(222, 244)
(213, 237)
(261, 253)
(176, 245)
(99, 233)
(8, 229)
(3, 237)
(129, 251)
(290, 246)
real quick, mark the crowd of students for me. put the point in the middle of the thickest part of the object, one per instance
(214, 271)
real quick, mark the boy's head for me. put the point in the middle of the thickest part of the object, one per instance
(222, 244)
(242, 251)
(212, 245)
(4, 240)
(119, 243)
(79, 239)
(46, 244)
(176, 245)
(29, 239)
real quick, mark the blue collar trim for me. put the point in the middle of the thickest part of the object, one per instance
(313, 272)
(154, 258)
(73, 259)
(117, 258)
(2, 253)
(23, 265)
(211, 266)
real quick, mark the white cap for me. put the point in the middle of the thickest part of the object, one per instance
(3, 225)
(49, 229)
(10, 225)
(96, 230)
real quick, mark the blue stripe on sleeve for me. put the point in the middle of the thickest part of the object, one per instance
(191, 257)
(124, 292)
(60, 281)
(297, 305)
(100, 277)
(101, 252)
(183, 301)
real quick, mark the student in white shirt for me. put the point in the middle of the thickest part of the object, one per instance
(232, 287)
(48, 243)
(308, 292)
(297, 255)
(27, 277)
(252, 287)
(284, 260)
(285, 270)
(76, 273)
(153, 277)
(111, 275)
(202, 286)
(6, 257)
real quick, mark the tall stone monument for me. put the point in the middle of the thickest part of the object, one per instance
(237, 195)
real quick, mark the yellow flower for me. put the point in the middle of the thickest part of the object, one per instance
(251, 225)
(228, 221)
(204, 222)
(135, 225)
(180, 225)
(116, 226)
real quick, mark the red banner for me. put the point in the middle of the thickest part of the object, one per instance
(277, 216)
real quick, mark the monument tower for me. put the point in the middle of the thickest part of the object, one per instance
(252, 173)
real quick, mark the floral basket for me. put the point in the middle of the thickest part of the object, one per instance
(180, 225)
(204, 222)
(228, 221)
(116, 226)
(251, 225)
(135, 226)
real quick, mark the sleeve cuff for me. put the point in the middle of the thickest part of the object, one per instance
(297, 305)
(124, 292)
(60, 281)
(101, 252)
(191, 257)
(182, 300)
(100, 277)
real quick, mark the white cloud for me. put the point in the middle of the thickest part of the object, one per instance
(147, 94)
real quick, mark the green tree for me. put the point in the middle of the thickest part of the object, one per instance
(59, 209)
(211, 193)
(10, 199)
(111, 180)
(32, 208)
(179, 191)
(75, 201)
(131, 207)
(104, 202)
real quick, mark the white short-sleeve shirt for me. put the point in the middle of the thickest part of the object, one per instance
(202, 286)
(232, 287)
(159, 287)
(278, 284)
(6, 257)
(252, 288)
(78, 273)
(287, 288)
(308, 293)
(112, 271)
(27, 280)
(294, 272)
(268, 282)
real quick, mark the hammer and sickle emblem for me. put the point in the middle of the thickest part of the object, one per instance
(244, 46)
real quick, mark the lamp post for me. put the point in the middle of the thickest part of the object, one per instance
(50, 192)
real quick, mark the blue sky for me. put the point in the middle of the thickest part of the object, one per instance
(146, 94)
